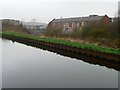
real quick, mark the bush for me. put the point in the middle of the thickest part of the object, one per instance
(54, 32)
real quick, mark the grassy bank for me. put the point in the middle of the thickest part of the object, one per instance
(66, 42)
(97, 33)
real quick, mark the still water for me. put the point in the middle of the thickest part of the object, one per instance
(28, 67)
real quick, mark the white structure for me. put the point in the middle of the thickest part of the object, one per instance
(34, 25)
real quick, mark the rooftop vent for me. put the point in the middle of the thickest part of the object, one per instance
(93, 15)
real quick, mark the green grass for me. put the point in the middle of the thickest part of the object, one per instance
(67, 43)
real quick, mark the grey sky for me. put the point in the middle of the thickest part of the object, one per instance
(45, 11)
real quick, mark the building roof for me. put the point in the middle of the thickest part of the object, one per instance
(79, 19)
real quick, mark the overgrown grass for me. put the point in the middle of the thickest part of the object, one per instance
(66, 42)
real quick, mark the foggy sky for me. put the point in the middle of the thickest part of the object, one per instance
(45, 11)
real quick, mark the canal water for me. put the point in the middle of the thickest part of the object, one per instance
(29, 67)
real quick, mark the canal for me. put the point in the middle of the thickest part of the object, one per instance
(29, 67)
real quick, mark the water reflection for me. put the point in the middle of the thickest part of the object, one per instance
(27, 67)
(86, 58)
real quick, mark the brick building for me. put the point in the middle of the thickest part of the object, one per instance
(71, 24)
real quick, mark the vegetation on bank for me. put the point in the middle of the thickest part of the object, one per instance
(65, 42)
(97, 33)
